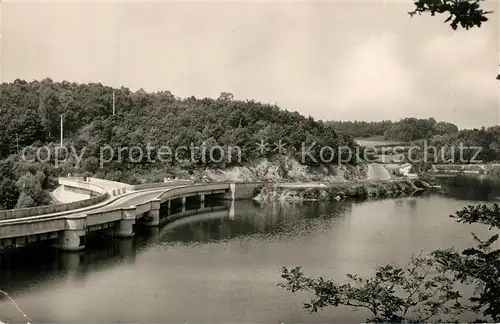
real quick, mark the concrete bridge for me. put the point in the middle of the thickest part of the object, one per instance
(112, 207)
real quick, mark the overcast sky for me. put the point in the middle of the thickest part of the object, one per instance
(340, 60)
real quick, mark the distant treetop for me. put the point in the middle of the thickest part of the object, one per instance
(463, 13)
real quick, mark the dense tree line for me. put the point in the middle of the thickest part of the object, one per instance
(487, 139)
(466, 146)
(362, 129)
(411, 129)
(405, 130)
(30, 114)
(22, 184)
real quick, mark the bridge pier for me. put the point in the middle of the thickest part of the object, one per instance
(126, 226)
(72, 239)
(231, 210)
(152, 217)
(126, 250)
(71, 261)
(183, 204)
(202, 200)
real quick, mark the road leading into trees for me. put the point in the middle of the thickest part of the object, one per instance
(378, 172)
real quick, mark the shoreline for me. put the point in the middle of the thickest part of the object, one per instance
(363, 189)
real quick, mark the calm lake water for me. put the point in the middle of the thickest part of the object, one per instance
(226, 270)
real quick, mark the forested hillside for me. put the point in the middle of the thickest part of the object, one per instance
(30, 115)
(410, 129)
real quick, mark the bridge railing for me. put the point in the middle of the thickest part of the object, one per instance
(93, 189)
(109, 183)
(50, 209)
(185, 182)
(189, 189)
(168, 184)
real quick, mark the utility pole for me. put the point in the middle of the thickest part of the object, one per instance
(498, 74)
(61, 130)
(114, 102)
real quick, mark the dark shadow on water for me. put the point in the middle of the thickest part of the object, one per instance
(24, 268)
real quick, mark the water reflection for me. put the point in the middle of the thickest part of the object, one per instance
(252, 219)
(27, 268)
(228, 266)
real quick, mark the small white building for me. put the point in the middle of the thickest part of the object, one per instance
(405, 170)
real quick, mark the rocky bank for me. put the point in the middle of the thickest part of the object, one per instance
(293, 181)
(278, 169)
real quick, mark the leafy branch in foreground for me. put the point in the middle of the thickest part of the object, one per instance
(416, 293)
(467, 14)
